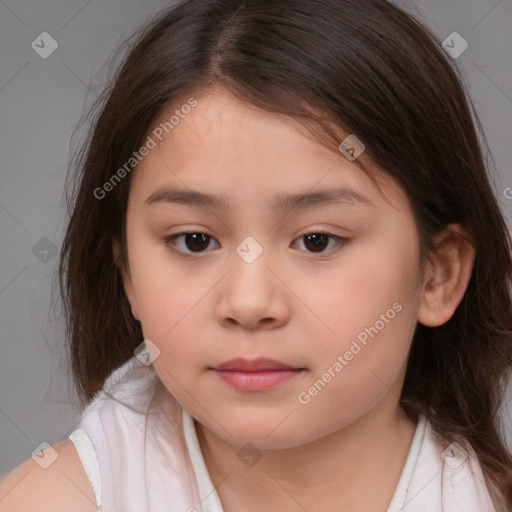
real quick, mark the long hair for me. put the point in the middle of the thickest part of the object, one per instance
(364, 66)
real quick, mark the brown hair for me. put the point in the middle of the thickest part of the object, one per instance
(363, 66)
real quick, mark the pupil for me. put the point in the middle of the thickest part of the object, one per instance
(317, 240)
(199, 238)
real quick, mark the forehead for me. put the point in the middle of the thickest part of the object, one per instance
(232, 150)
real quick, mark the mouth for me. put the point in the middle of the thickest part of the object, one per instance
(255, 375)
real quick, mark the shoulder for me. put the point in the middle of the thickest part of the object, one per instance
(62, 486)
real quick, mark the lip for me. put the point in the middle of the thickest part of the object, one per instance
(255, 375)
(261, 364)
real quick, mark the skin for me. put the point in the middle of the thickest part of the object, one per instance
(292, 304)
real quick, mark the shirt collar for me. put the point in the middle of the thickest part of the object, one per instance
(210, 501)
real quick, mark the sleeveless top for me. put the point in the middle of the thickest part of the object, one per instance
(143, 455)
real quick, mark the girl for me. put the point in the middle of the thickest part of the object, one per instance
(286, 275)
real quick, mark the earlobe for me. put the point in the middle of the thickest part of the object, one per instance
(448, 277)
(127, 281)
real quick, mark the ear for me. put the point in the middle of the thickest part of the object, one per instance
(127, 280)
(447, 278)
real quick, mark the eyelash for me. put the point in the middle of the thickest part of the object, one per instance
(170, 242)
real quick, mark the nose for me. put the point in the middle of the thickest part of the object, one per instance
(253, 295)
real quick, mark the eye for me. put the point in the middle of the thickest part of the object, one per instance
(317, 241)
(194, 240)
(197, 242)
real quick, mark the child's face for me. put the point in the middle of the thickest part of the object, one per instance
(344, 314)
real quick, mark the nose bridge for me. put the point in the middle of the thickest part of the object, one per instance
(250, 292)
(250, 265)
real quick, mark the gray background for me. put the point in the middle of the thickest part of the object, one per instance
(41, 102)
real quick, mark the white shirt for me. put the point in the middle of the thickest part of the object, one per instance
(139, 462)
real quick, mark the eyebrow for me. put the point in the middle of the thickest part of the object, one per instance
(282, 202)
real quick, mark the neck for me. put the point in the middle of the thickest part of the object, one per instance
(331, 473)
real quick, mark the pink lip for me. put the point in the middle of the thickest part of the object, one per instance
(256, 381)
(255, 375)
(255, 365)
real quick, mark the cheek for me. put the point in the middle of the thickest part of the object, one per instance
(352, 373)
(364, 285)
(370, 307)
(172, 317)
(165, 287)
